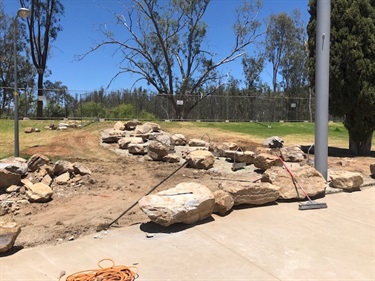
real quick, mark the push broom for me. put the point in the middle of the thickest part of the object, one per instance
(310, 204)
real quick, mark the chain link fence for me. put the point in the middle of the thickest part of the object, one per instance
(271, 107)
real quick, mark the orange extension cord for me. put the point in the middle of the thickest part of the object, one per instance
(113, 273)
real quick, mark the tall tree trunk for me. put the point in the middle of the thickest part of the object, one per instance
(39, 108)
(360, 148)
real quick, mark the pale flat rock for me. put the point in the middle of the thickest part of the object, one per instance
(39, 193)
(346, 180)
(187, 203)
(125, 141)
(119, 126)
(62, 179)
(200, 159)
(264, 161)
(251, 193)
(62, 166)
(197, 143)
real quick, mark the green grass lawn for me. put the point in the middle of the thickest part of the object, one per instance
(300, 133)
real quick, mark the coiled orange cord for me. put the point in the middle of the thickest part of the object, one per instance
(113, 273)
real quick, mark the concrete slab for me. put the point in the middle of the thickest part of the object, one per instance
(276, 242)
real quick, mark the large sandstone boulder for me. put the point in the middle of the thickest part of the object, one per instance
(264, 161)
(119, 126)
(223, 202)
(124, 142)
(39, 193)
(61, 167)
(251, 193)
(8, 178)
(187, 203)
(138, 149)
(36, 161)
(15, 165)
(308, 177)
(240, 156)
(112, 135)
(346, 180)
(178, 140)
(292, 153)
(223, 148)
(200, 159)
(273, 142)
(80, 169)
(157, 150)
(198, 143)
(147, 128)
(130, 125)
(9, 230)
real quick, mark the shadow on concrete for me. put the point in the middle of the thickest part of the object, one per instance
(151, 227)
(12, 251)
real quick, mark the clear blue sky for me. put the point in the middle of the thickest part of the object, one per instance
(83, 17)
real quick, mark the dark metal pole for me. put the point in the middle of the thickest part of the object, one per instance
(322, 85)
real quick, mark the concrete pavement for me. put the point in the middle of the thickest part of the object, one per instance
(276, 242)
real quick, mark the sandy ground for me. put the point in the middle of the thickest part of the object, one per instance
(120, 182)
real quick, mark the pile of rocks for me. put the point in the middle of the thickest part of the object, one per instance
(32, 181)
(190, 202)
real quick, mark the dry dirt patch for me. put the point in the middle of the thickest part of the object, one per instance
(120, 181)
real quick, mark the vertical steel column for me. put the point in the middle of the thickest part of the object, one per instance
(322, 85)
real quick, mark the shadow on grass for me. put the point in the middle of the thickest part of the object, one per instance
(335, 151)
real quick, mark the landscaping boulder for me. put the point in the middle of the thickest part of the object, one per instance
(309, 178)
(9, 230)
(273, 142)
(171, 158)
(178, 140)
(124, 142)
(15, 165)
(61, 167)
(187, 203)
(157, 150)
(346, 180)
(251, 193)
(198, 143)
(292, 153)
(119, 126)
(223, 202)
(130, 125)
(240, 157)
(138, 149)
(80, 169)
(8, 178)
(39, 193)
(112, 135)
(36, 161)
(200, 159)
(264, 161)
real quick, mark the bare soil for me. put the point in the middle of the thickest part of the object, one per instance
(120, 182)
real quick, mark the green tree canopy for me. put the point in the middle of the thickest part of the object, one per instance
(352, 67)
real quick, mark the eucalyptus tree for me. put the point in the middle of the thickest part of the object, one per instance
(284, 43)
(352, 67)
(24, 68)
(166, 47)
(43, 27)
